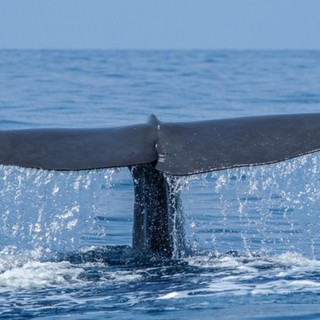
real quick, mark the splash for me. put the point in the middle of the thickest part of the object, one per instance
(254, 211)
(262, 210)
(46, 211)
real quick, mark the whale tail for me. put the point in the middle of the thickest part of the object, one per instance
(155, 149)
(173, 148)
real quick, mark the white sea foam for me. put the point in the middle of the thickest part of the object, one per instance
(238, 276)
(122, 276)
(40, 274)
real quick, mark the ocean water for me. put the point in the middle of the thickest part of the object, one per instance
(252, 233)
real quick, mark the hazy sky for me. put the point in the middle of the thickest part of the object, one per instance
(160, 24)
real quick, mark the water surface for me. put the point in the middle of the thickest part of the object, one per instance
(252, 233)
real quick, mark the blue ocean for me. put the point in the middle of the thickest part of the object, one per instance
(253, 233)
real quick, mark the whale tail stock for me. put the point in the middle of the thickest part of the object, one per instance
(156, 149)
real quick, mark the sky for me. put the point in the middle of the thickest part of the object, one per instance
(159, 24)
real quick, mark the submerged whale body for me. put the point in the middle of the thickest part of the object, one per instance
(155, 149)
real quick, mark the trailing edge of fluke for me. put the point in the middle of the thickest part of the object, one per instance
(174, 148)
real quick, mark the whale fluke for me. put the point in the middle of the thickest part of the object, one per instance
(155, 149)
(198, 147)
(78, 149)
(175, 148)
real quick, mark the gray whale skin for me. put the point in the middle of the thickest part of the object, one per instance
(156, 151)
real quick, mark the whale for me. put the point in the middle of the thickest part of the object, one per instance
(155, 152)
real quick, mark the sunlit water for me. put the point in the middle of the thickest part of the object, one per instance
(252, 234)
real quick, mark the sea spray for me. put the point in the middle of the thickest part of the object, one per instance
(50, 211)
(256, 210)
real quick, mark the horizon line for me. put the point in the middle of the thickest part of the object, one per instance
(152, 49)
